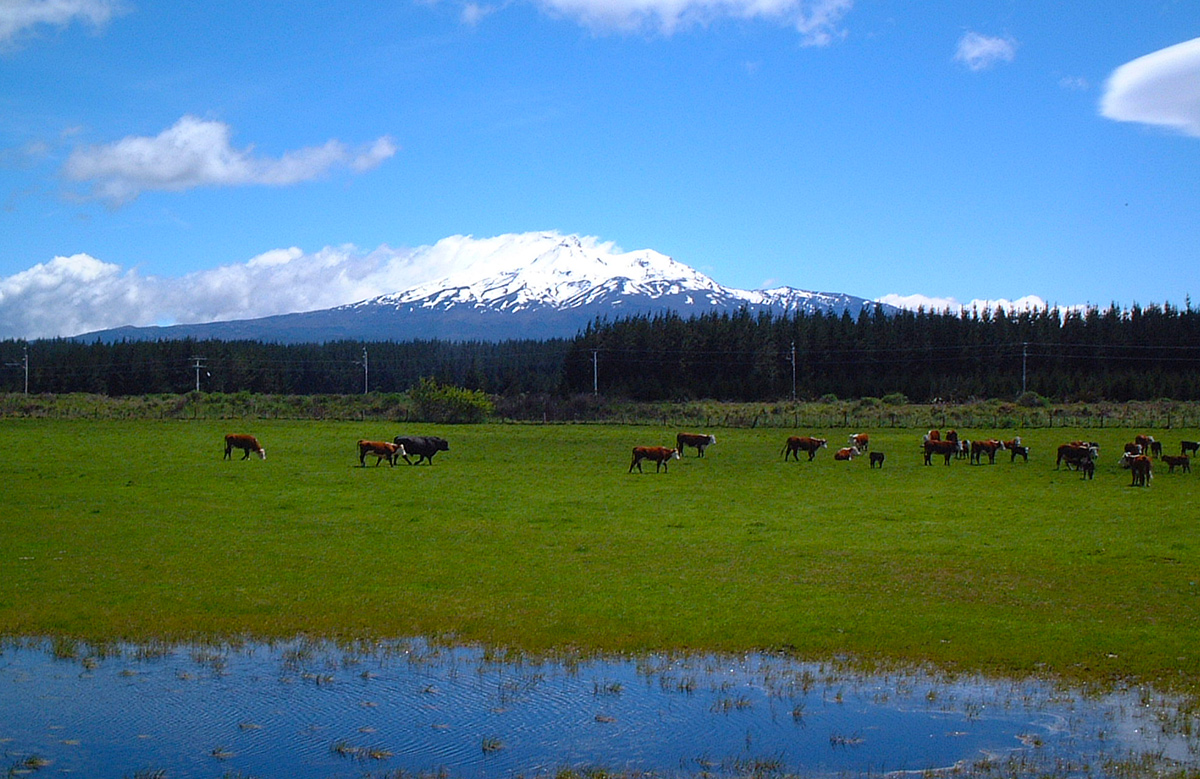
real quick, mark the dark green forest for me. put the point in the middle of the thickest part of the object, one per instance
(1096, 354)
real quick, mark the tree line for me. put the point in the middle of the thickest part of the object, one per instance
(341, 367)
(1093, 354)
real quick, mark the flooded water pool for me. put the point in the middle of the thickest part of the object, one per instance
(312, 709)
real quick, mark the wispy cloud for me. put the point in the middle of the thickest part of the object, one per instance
(19, 16)
(1162, 88)
(980, 52)
(197, 153)
(819, 22)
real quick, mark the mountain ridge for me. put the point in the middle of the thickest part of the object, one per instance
(527, 285)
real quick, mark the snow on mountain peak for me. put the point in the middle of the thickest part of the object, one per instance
(546, 267)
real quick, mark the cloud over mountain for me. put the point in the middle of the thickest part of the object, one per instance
(195, 153)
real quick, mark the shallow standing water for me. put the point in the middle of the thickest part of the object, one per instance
(303, 709)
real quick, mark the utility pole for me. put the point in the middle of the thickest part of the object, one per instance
(198, 364)
(595, 373)
(24, 363)
(793, 370)
(1024, 359)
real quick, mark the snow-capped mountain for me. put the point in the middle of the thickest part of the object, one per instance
(529, 285)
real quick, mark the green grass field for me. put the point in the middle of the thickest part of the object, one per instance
(536, 538)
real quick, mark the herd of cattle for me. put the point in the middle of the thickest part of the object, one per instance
(1076, 455)
(423, 447)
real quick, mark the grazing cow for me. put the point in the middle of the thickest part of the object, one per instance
(380, 450)
(1183, 462)
(1020, 450)
(964, 449)
(946, 449)
(1075, 452)
(423, 447)
(247, 443)
(846, 453)
(700, 442)
(1189, 446)
(1156, 448)
(988, 447)
(661, 455)
(876, 459)
(797, 444)
(1142, 471)
(860, 441)
(1013, 444)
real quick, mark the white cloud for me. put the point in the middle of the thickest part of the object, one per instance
(935, 304)
(817, 21)
(78, 294)
(1076, 83)
(474, 13)
(979, 52)
(196, 152)
(1162, 88)
(17, 16)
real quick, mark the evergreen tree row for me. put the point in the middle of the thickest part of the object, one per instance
(1111, 354)
(1114, 354)
(152, 367)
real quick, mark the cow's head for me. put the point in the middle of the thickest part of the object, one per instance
(262, 453)
(674, 454)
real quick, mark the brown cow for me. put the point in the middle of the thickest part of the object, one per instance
(661, 455)
(860, 441)
(1142, 471)
(1183, 462)
(1075, 452)
(246, 443)
(946, 449)
(700, 442)
(380, 450)
(846, 453)
(988, 447)
(797, 444)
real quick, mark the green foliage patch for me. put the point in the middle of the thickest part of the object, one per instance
(537, 538)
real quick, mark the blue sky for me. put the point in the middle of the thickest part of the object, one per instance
(156, 153)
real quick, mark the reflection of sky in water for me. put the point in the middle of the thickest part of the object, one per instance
(291, 710)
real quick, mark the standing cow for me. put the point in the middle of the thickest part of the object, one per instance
(860, 441)
(796, 444)
(380, 450)
(661, 455)
(698, 441)
(247, 443)
(1142, 471)
(424, 447)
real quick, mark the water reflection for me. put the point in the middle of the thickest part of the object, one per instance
(305, 709)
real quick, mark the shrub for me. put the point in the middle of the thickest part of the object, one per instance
(444, 403)
(895, 399)
(1032, 400)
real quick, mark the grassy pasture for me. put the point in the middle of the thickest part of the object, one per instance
(537, 538)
